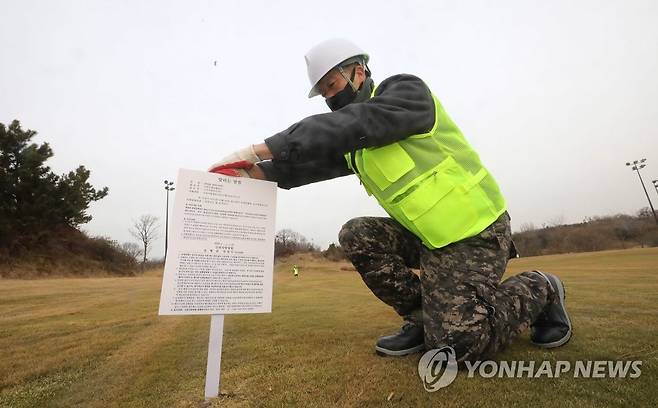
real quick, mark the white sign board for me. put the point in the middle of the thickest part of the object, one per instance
(221, 254)
(221, 246)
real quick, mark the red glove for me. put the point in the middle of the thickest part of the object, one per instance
(235, 169)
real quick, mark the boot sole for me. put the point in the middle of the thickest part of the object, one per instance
(561, 297)
(398, 353)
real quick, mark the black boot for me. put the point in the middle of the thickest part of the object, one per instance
(552, 328)
(409, 340)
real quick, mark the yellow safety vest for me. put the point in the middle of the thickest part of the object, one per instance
(432, 183)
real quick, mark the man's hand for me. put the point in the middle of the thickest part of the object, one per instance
(243, 155)
(240, 169)
(241, 163)
(235, 169)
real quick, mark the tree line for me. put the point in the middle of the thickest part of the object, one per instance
(618, 231)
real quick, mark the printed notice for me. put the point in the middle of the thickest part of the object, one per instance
(221, 246)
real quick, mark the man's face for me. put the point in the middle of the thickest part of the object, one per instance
(333, 82)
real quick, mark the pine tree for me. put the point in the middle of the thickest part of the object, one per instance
(34, 200)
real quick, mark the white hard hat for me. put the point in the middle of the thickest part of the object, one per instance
(327, 55)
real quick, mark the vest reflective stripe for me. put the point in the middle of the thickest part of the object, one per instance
(432, 183)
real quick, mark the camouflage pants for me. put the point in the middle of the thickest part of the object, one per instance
(464, 303)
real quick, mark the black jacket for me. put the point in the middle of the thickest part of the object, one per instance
(313, 149)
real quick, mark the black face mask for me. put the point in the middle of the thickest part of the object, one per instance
(343, 97)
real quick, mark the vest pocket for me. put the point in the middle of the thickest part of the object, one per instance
(385, 165)
(440, 208)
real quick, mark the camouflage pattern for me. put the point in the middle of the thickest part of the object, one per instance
(464, 303)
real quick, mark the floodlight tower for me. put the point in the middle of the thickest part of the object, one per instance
(637, 165)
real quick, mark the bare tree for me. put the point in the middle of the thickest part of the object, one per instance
(145, 229)
(527, 226)
(287, 242)
(132, 249)
(556, 221)
(644, 212)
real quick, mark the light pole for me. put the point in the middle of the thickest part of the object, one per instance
(636, 166)
(655, 184)
(168, 187)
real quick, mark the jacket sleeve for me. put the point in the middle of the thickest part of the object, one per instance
(402, 106)
(289, 175)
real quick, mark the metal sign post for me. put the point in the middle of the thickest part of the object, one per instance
(213, 366)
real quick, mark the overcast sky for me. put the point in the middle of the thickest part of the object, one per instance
(555, 96)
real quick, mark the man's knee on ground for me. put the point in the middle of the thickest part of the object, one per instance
(346, 236)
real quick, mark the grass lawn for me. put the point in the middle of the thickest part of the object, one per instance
(100, 343)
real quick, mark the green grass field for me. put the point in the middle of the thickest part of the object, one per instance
(100, 343)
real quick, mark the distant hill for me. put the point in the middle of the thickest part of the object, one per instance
(619, 231)
(68, 252)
